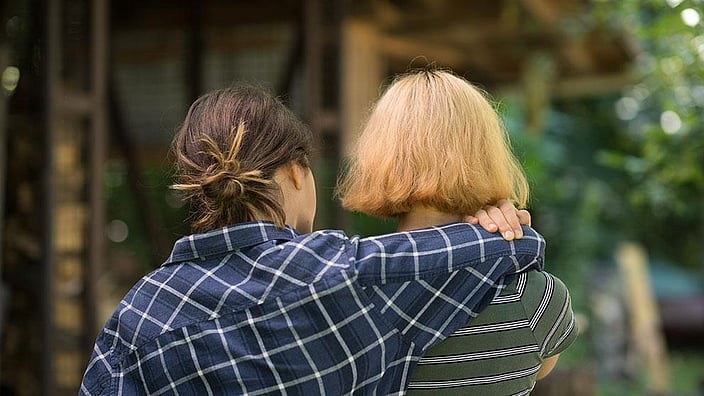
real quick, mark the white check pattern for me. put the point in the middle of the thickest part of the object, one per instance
(253, 309)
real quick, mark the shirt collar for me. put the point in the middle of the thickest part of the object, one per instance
(227, 239)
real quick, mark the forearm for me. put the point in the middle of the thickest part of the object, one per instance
(452, 246)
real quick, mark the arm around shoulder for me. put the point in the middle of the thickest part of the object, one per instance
(451, 246)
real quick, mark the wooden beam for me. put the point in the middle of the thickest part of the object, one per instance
(170, 47)
(386, 14)
(432, 14)
(545, 11)
(574, 48)
(156, 14)
(578, 54)
(592, 85)
(582, 86)
(405, 48)
(469, 35)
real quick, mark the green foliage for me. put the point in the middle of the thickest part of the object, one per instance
(577, 203)
(364, 225)
(629, 166)
(625, 167)
(665, 166)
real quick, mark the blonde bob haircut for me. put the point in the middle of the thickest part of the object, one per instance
(434, 140)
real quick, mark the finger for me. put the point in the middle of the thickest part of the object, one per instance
(471, 220)
(497, 216)
(485, 221)
(510, 214)
(524, 217)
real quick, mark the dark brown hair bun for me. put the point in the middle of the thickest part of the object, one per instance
(231, 143)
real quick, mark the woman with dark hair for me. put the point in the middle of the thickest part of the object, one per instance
(256, 303)
(433, 149)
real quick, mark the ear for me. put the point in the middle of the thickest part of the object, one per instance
(297, 174)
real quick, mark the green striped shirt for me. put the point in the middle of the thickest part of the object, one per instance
(500, 351)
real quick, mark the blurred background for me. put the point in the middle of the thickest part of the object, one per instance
(603, 99)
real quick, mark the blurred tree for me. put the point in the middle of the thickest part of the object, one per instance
(577, 202)
(629, 166)
(663, 155)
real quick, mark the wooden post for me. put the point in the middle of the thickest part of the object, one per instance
(538, 79)
(313, 64)
(73, 214)
(643, 315)
(4, 61)
(97, 149)
(362, 71)
(52, 70)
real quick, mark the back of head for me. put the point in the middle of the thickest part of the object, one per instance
(432, 139)
(227, 150)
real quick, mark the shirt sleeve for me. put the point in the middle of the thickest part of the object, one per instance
(552, 319)
(98, 373)
(410, 255)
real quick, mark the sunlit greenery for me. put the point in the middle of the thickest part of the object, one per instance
(663, 124)
(629, 166)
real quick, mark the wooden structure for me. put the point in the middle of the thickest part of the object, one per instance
(76, 131)
(328, 58)
(541, 49)
(644, 319)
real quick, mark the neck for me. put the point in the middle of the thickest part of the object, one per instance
(423, 216)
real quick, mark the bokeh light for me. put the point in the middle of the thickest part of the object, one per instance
(10, 79)
(627, 108)
(690, 17)
(670, 122)
(117, 231)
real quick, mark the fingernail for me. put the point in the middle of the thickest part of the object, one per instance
(519, 234)
(508, 235)
(493, 226)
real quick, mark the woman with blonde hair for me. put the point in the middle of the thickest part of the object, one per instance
(255, 303)
(432, 149)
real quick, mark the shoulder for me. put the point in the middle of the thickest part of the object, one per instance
(549, 312)
(542, 286)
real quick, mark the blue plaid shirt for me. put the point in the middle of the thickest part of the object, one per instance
(253, 309)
